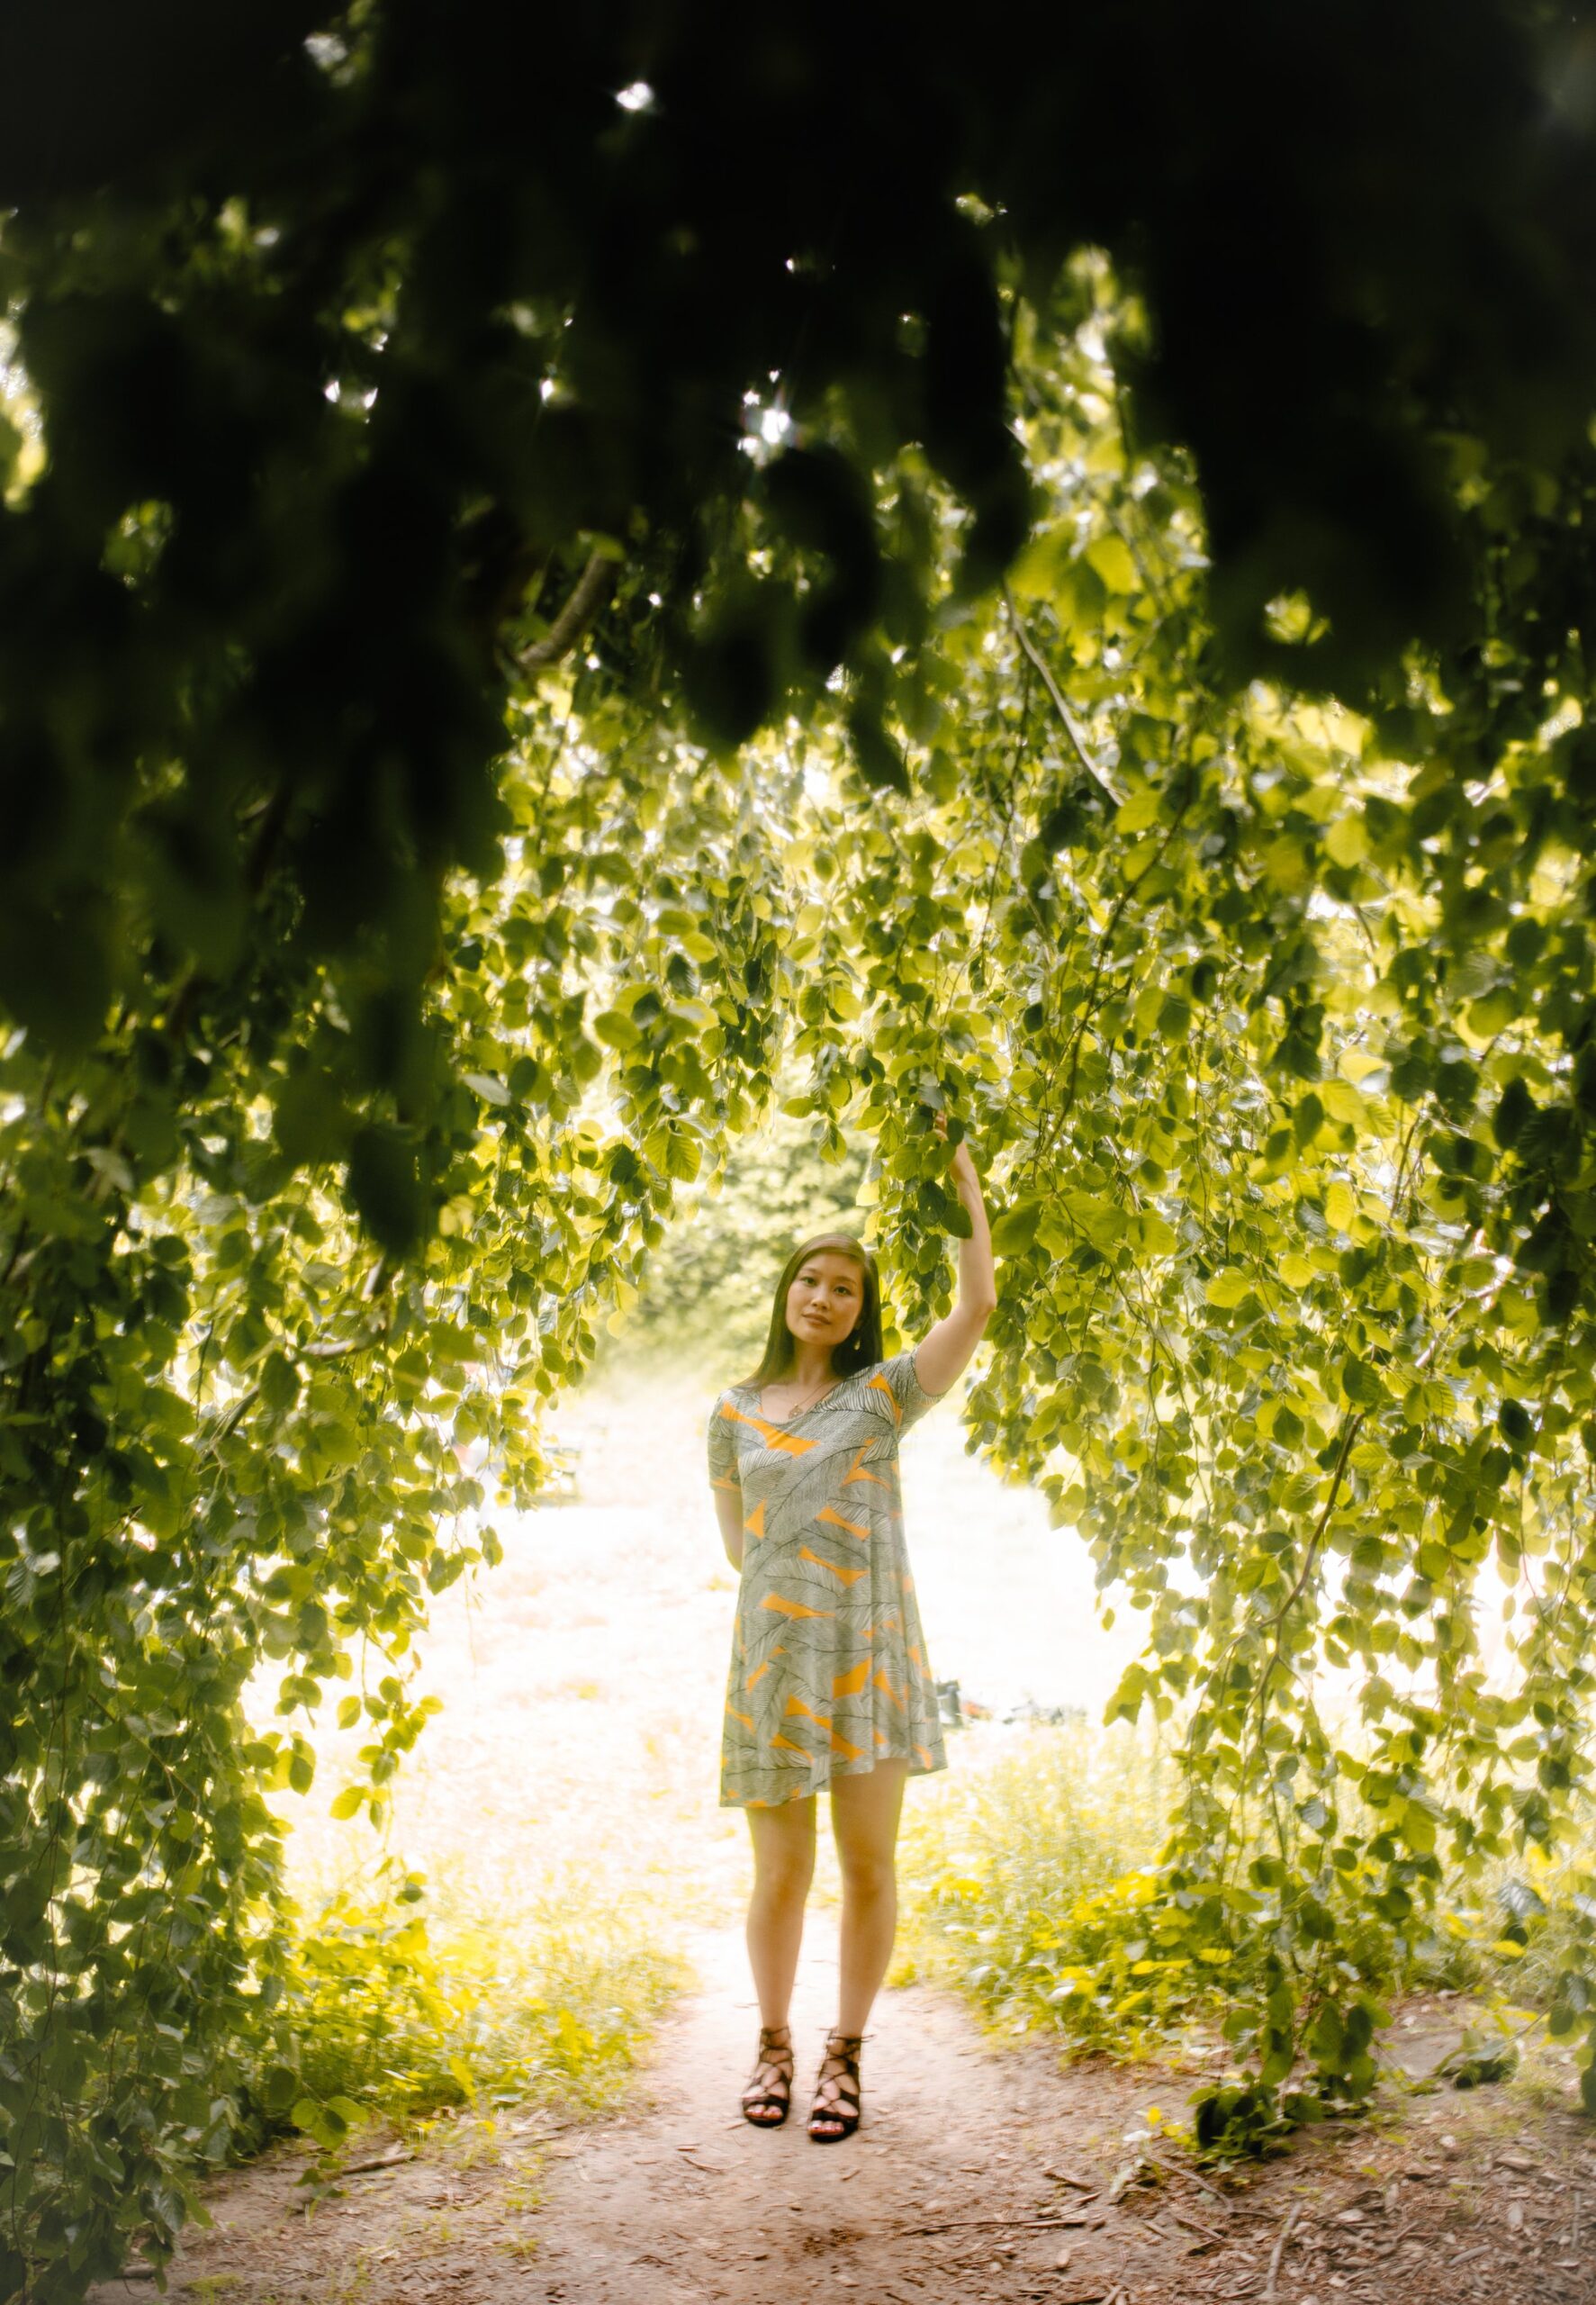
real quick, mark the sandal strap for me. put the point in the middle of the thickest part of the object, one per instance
(776, 2090)
(837, 2085)
(777, 2057)
(838, 2095)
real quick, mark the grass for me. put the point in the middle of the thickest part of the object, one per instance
(398, 2003)
(1023, 1883)
(1526, 1927)
(1027, 1881)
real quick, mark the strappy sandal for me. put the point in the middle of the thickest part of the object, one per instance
(837, 2093)
(761, 2100)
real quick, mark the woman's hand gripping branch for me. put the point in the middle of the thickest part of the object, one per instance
(946, 1349)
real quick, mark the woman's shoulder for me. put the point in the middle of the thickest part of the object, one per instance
(880, 1368)
(896, 1384)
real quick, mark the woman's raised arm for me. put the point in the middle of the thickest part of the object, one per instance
(945, 1350)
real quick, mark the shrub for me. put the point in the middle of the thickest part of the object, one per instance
(386, 2010)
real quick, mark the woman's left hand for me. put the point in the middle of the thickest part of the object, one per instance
(963, 1169)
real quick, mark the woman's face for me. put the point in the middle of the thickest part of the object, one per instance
(825, 1298)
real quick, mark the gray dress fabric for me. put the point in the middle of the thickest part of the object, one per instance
(829, 1673)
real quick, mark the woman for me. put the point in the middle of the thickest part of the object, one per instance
(829, 1685)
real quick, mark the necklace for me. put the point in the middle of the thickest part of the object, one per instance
(817, 1392)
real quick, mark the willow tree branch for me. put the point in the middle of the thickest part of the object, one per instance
(588, 596)
(1354, 1426)
(1022, 635)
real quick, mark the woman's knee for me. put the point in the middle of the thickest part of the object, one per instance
(784, 1879)
(784, 1856)
(868, 1873)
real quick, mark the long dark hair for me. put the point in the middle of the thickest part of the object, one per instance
(859, 1349)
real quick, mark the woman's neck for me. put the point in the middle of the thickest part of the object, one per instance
(810, 1369)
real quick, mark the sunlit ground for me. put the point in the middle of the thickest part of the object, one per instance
(583, 1679)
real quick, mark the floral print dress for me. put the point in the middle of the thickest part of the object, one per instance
(829, 1673)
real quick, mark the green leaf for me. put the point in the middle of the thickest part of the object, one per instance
(615, 1027)
(1360, 1383)
(1141, 810)
(279, 1382)
(1110, 556)
(1015, 1231)
(310, 1120)
(491, 1092)
(683, 1156)
(1340, 1206)
(1229, 1289)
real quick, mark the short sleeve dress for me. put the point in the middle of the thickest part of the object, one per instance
(829, 1673)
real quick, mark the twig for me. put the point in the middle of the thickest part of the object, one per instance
(1191, 2177)
(1291, 2218)
(340, 1348)
(1348, 1436)
(1040, 2224)
(369, 2169)
(1021, 634)
(587, 595)
(1195, 2225)
(1081, 2184)
(1311, 1553)
(1078, 1035)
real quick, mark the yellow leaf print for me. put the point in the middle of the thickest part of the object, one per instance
(833, 1520)
(848, 1575)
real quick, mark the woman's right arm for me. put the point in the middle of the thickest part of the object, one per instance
(726, 1483)
(729, 1512)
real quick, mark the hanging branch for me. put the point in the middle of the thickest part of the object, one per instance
(1022, 635)
(588, 596)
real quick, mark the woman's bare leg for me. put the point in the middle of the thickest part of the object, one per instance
(864, 1814)
(783, 1867)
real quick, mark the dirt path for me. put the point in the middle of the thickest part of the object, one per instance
(694, 2204)
(979, 2173)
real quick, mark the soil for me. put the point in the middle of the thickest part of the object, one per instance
(982, 2169)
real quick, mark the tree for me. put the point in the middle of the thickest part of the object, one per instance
(432, 461)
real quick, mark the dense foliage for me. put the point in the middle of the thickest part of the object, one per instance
(1027, 1882)
(1032, 1886)
(250, 1412)
(1282, 1044)
(398, 2008)
(369, 1002)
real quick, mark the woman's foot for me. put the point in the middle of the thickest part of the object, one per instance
(835, 2114)
(768, 2093)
